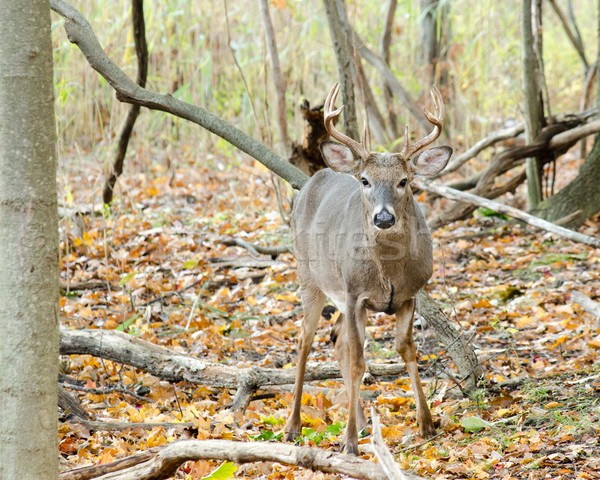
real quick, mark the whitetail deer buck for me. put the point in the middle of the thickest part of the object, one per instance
(361, 240)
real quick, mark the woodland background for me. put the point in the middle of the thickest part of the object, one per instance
(168, 261)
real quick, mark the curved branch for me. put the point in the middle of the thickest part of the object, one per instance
(141, 50)
(492, 139)
(80, 32)
(166, 461)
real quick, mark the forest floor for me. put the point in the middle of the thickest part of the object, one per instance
(506, 286)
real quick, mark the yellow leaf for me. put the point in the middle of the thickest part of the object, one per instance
(87, 239)
(594, 343)
(482, 303)
(156, 437)
(523, 321)
(287, 297)
(559, 341)
(152, 191)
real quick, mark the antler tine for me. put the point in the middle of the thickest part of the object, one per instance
(330, 115)
(436, 119)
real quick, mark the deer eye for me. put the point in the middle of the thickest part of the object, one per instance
(365, 182)
(402, 183)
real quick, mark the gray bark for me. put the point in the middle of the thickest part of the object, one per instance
(278, 79)
(580, 199)
(164, 463)
(459, 350)
(28, 245)
(511, 211)
(343, 55)
(534, 103)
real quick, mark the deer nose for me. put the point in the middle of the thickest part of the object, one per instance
(384, 219)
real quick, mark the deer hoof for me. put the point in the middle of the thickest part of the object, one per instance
(428, 431)
(291, 436)
(351, 448)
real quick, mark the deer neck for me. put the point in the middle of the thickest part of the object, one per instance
(391, 249)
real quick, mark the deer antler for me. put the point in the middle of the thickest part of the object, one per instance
(436, 119)
(330, 115)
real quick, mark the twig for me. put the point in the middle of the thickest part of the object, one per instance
(195, 305)
(106, 390)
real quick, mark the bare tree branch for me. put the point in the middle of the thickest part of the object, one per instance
(80, 32)
(575, 39)
(491, 139)
(390, 79)
(141, 50)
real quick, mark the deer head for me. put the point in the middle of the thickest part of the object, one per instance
(385, 177)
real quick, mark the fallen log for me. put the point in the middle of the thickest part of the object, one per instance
(175, 366)
(164, 463)
(510, 211)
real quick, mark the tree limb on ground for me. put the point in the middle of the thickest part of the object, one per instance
(510, 211)
(253, 248)
(164, 463)
(80, 32)
(174, 366)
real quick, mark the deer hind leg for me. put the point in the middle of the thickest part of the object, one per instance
(349, 352)
(405, 346)
(312, 304)
(337, 332)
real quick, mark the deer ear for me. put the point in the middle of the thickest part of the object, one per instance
(432, 161)
(338, 157)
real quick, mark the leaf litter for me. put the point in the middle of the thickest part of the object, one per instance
(157, 269)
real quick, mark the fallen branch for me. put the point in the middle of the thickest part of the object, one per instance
(510, 211)
(80, 32)
(96, 471)
(385, 457)
(589, 305)
(165, 462)
(255, 249)
(458, 348)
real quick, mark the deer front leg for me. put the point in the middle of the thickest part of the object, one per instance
(405, 346)
(312, 304)
(341, 355)
(349, 350)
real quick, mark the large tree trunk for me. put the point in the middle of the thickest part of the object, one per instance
(580, 199)
(343, 55)
(434, 32)
(28, 244)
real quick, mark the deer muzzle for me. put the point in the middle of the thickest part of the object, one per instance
(384, 219)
